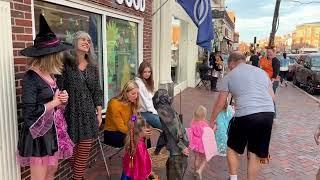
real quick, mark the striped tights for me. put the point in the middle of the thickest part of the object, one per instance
(80, 157)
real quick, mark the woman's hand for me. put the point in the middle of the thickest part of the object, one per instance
(63, 96)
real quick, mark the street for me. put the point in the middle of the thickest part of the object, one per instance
(294, 154)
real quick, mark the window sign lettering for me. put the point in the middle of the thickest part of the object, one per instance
(139, 5)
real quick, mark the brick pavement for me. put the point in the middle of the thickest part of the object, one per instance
(294, 155)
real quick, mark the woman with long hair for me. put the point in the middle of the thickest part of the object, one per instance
(146, 90)
(119, 111)
(43, 137)
(83, 112)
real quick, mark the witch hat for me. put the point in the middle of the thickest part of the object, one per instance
(46, 42)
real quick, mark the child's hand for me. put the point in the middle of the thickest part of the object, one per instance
(186, 151)
(215, 127)
(63, 96)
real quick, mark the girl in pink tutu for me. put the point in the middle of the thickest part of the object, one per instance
(202, 140)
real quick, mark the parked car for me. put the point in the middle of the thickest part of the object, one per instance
(307, 73)
(293, 61)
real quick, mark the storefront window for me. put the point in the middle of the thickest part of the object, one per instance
(178, 50)
(65, 21)
(176, 32)
(122, 53)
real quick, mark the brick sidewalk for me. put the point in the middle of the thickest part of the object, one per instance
(294, 155)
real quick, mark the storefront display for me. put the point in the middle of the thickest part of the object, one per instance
(65, 21)
(121, 40)
(122, 51)
(178, 41)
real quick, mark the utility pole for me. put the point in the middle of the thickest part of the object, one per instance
(274, 24)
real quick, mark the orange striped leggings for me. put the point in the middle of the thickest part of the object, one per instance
(80, 157)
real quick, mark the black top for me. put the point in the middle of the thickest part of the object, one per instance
(275, 67)
(85, 95)
(35, 94)
(255, 60)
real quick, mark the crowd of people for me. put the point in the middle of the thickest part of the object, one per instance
(62, 110)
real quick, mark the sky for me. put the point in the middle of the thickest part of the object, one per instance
(254, 17)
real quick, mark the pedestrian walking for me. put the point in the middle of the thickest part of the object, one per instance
(254, 114)
(202, 140)
(254, 59)
(83, 112)
(284, 69)
(223, 120)
(275, 78)
(43, 137)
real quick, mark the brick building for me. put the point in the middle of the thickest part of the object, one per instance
(306, 36)
(121, 33)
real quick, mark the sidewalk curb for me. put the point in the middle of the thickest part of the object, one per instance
(302, 91)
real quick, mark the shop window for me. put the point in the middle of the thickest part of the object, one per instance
(122, 53)
(65, 21)
(176, 33)
(179, 39)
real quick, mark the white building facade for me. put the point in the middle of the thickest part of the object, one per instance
(174, 52)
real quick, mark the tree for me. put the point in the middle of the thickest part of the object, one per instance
(275, 23)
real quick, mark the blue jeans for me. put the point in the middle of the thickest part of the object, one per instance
(152, 119)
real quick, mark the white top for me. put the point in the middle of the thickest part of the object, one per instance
(146, 104)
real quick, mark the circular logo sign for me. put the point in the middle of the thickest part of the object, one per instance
(200, 11)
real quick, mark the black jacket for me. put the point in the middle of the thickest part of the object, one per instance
(35, 94)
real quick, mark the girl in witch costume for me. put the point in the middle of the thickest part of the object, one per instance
(43, 136)
(136, 161)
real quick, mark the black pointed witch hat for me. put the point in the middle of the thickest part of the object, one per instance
(46, 42)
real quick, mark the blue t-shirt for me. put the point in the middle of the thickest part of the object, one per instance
(249, 86)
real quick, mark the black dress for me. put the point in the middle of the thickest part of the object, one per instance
(85, 95)
(35, 94)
